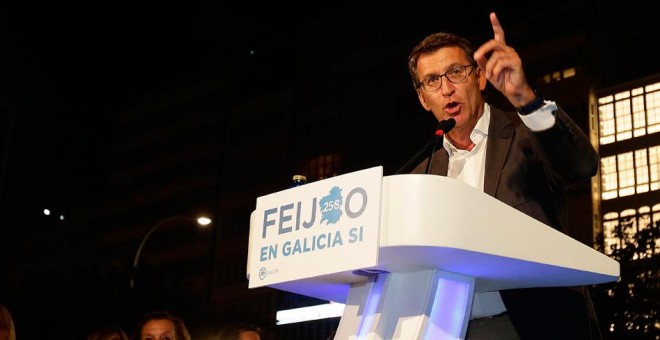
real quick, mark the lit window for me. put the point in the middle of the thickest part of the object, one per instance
(556, 76)
(559, 75)
(644, 219)
(610, 240)
(653, 110)
(629, 114)
(638, 116)
(626, 174)
(569, 72)
(609, 177)
(654, 167)
(621, 175)
(623, 120)
(630, 222)
(607, 130)
(641, 171)
(654, 220)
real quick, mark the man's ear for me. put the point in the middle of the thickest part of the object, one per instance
(481, 77)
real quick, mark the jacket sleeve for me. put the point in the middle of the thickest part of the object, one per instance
(568, 155)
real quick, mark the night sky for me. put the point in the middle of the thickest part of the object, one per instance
(65, 67)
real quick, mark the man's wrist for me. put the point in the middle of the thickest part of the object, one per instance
(532, 106)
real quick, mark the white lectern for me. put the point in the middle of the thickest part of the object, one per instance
(439, 242)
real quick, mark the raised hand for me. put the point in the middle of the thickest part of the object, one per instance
(503, 67)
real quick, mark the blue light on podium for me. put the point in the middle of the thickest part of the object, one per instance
(457, 296)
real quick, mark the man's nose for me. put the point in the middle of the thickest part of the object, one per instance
(447, 88)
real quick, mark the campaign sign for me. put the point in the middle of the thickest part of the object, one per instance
(319, 228)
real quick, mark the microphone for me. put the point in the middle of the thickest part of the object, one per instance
(443, 127)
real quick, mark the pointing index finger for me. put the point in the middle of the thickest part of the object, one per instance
(498, 32)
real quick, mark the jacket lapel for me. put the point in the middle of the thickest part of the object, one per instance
(440, 161)
(500, 135)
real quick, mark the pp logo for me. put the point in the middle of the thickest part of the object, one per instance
(262, 273)
(331, 206)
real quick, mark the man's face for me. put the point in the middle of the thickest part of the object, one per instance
(161, 329)
(4, 327)
(461, 101)
(249, 335)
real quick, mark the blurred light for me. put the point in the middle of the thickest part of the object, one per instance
(569, 72)
(204, 220)
(329, 310)
(61, 217)
(46, 212)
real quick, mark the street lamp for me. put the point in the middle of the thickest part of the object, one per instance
(202, 221)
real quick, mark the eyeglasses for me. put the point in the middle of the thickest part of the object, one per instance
(455, 75)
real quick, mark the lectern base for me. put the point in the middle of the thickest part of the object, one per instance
(429, 304)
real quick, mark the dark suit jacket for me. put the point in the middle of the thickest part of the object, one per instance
(528, 171)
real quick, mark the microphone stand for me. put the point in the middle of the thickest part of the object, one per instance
(438, 138)
(443, 127)
(418, 157)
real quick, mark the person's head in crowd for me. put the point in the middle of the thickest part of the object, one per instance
(239, 331)
(7, 330)
(108, 332)
(160, 325)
